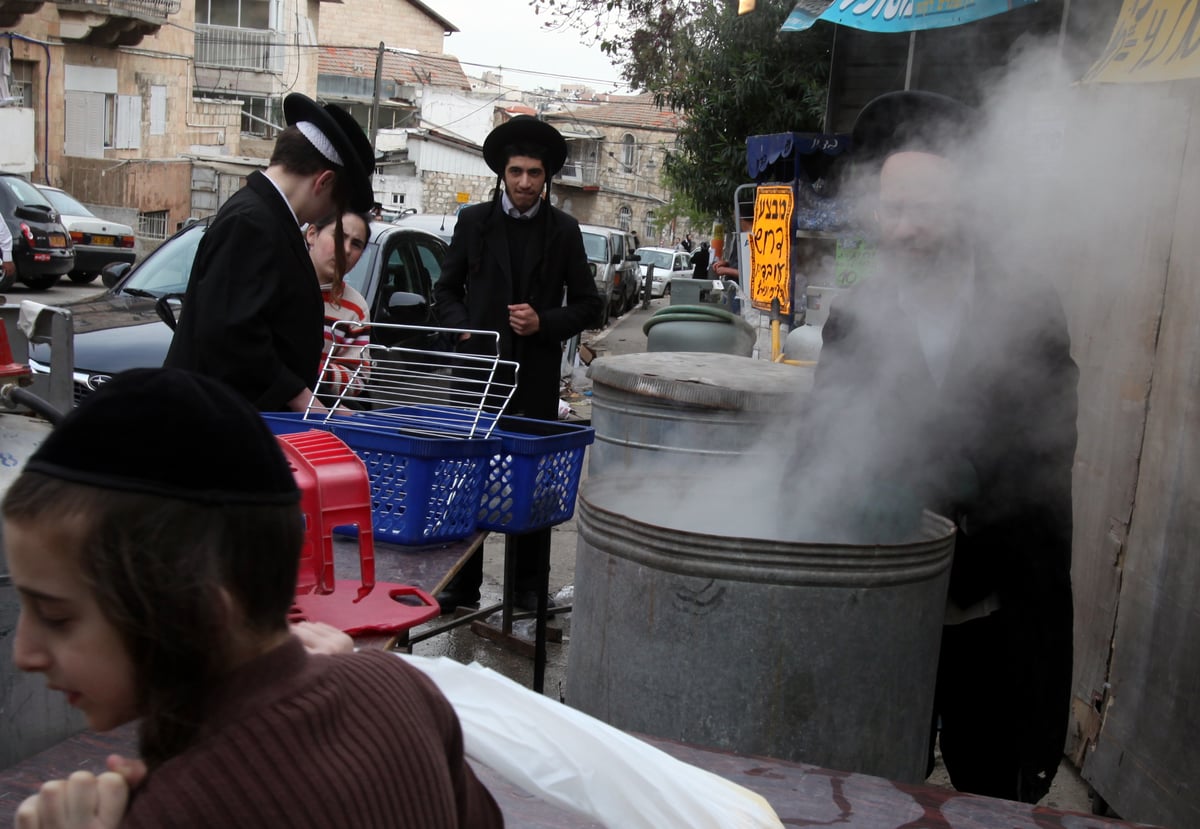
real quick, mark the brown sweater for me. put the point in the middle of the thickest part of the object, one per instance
(356, 740)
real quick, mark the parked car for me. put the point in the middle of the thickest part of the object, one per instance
(610, 250)
(42, 250)
(97, 241)
(441, 224)
(124, 327)
(668, 264)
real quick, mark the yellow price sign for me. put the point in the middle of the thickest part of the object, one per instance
(462, 198)
(771, 248)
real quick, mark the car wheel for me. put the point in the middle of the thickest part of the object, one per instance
(666, 290)
(83, 277)
(41, 282)
(603, 321)
(7, 282)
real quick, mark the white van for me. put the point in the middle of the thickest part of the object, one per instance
(609, 250)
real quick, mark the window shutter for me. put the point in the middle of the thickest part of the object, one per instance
(129, 122)
(84, 124)
(158, 110)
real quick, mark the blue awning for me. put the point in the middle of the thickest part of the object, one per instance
(764, 150)
(895, 15)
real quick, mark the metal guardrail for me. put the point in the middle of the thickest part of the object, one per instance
(230, 46)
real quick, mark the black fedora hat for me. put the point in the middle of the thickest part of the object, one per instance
(347, 138)
(911, 120)
(525, 129)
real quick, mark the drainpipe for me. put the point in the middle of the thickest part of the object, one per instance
(45, 101)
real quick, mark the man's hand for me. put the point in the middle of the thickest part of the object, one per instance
(10, 268)
(82, 801)
(523, 319)
(318, 637)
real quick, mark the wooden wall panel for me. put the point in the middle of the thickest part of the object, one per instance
(1146, 762)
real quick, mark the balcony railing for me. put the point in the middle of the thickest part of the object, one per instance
(145, 8)
(579, 173)
(229, 46)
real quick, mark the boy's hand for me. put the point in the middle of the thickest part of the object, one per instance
(82, 801)
(318, 637)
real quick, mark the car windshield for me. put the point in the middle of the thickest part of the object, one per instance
(24, 192)
(595, 246)
(166, 271)
(660, 259)
(65, 204)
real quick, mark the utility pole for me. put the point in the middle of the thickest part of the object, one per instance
(375, 98)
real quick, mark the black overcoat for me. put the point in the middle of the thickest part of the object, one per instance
(992, 448)
(476, 287)
(252, 315)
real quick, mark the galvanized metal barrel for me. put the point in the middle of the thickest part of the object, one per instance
(670, 410)
(810, 652)
(32, 717)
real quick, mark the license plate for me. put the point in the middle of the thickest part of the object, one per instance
(57, 240)
(103, 240)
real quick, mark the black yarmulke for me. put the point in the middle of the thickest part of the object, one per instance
(164, 431)
(911, 120)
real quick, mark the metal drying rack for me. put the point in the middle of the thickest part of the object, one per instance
(431, 392)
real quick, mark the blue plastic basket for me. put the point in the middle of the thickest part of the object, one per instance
(532, 482)
(423, 489)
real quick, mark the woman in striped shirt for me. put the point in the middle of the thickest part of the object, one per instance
(347, 371)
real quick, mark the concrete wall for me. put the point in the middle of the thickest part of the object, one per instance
(142, 186)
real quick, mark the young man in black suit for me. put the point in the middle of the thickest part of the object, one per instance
(253, 315)
(511, 262)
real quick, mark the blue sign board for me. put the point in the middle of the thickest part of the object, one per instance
(895, 15)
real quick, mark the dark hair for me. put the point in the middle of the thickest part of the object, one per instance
(526, 149)
(296, 154)
(157, 566)
(339, 253)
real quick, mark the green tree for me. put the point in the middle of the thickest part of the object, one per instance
(728, 76)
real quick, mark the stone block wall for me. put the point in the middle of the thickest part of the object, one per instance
(440, 190)
(397, 23)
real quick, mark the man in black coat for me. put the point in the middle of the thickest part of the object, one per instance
(510, 263)
(253, 316)
(961, 371)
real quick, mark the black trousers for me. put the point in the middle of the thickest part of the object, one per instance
(533, 558)
(975, 701)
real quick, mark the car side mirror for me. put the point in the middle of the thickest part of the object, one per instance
(114, 272)
(636, 258)
(592, 268)
(407, 308)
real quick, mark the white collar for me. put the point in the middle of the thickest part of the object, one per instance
(940, 324)
(510, 209)
(279, 190)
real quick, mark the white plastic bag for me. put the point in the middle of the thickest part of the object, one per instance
(573, 760)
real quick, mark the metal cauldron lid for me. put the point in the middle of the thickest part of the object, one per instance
(719, 381)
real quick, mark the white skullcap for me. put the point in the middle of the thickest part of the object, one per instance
(317, 138)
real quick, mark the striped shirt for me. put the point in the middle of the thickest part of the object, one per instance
(349, 368)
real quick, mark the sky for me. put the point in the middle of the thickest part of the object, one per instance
(508, 34)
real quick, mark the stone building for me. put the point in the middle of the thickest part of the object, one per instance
(613, 174)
